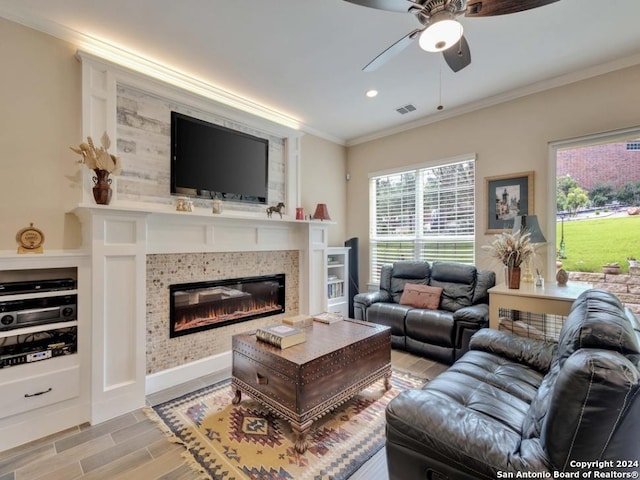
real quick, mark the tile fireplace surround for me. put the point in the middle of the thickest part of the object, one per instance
(128, 246)
(163, 270)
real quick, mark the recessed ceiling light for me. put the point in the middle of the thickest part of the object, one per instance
(372, 93)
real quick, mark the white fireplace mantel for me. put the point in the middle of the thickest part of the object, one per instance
(119, 236)
(118, 239)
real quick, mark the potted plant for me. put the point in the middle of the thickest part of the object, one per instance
(611, 268)
(512, 249)
(102, 163)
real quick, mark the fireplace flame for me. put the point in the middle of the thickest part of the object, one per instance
(218, 313)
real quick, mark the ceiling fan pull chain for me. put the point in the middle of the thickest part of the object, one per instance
(440, 107)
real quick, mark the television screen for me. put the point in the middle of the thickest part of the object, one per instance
(209, 160)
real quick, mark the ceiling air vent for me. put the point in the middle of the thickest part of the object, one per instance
(405, 109)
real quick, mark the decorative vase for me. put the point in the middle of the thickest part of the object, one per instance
(102, 187)
(512, 275)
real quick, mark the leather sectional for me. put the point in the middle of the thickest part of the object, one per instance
(514, 404)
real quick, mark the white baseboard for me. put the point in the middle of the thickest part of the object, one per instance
(190, 371)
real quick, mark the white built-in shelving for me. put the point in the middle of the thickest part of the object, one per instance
(337, 280)
(45, 394)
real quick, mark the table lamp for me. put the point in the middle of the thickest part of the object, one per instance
(528, 224)
(321, 212)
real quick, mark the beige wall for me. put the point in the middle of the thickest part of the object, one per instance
(507, 138)
(40, 96)
(323, 181)
(41, 117)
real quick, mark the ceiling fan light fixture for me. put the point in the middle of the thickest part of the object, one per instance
(442, 32)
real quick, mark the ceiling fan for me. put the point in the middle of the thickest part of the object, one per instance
(440, 31)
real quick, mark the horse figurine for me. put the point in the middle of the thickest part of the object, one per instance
(278, 209)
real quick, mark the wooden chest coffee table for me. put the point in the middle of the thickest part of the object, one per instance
(306, 381)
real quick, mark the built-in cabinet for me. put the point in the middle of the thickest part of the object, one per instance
(337, 280)
(107, 376)
(44, 339)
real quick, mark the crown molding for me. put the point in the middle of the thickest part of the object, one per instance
(537, 87)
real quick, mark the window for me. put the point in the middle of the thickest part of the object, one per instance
(423, 213)
(635, 146)
(597, 181)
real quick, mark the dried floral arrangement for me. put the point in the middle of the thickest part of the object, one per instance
(98, 158)
(512, 249)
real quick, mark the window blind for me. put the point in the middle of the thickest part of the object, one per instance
(425, 213)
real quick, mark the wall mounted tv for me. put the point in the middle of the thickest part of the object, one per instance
(209, 160)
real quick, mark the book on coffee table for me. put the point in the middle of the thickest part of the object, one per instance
(327, 317)
(283, 336)
(298, 321)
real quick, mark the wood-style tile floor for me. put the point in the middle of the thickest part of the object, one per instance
(132, 447)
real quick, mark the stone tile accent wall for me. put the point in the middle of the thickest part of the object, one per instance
(167, 269)
(144, 145)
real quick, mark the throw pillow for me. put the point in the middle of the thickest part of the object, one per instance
(421, 296)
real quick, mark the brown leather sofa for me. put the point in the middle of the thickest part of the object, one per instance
(514, 404)
(442, 333)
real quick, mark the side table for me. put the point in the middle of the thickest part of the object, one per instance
(551, 299)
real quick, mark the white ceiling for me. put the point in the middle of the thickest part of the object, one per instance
(304, 58)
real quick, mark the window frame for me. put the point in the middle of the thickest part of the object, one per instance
(615, 136)
(419, 239)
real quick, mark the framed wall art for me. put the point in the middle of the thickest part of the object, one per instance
(508, 196)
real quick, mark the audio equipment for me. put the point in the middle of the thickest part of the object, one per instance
(54, 344)
(33, 286)
(37, 311)
(353, 272)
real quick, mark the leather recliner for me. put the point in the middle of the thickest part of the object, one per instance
(442, 334)
(514, 404)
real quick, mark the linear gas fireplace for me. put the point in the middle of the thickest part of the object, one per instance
(204, 305)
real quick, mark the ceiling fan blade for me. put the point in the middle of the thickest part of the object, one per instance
(401, 6)
(458, 56)
(392, 51)
(488, 8)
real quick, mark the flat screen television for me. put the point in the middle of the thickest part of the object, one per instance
(209, 160)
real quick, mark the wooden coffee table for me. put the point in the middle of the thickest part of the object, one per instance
(304, 382)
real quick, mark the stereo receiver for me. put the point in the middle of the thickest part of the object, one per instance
(33, 286)
(37, 311)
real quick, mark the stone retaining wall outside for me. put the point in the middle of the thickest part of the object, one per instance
(625, 287)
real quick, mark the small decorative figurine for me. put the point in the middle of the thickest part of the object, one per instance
(278, 209)
(562, 277)
(184, 204)
(217, 205)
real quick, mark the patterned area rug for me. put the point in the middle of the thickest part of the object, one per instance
(245, 441)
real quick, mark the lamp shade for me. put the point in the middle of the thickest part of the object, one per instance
(529, 223)
(442, 33)
(321, 212)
